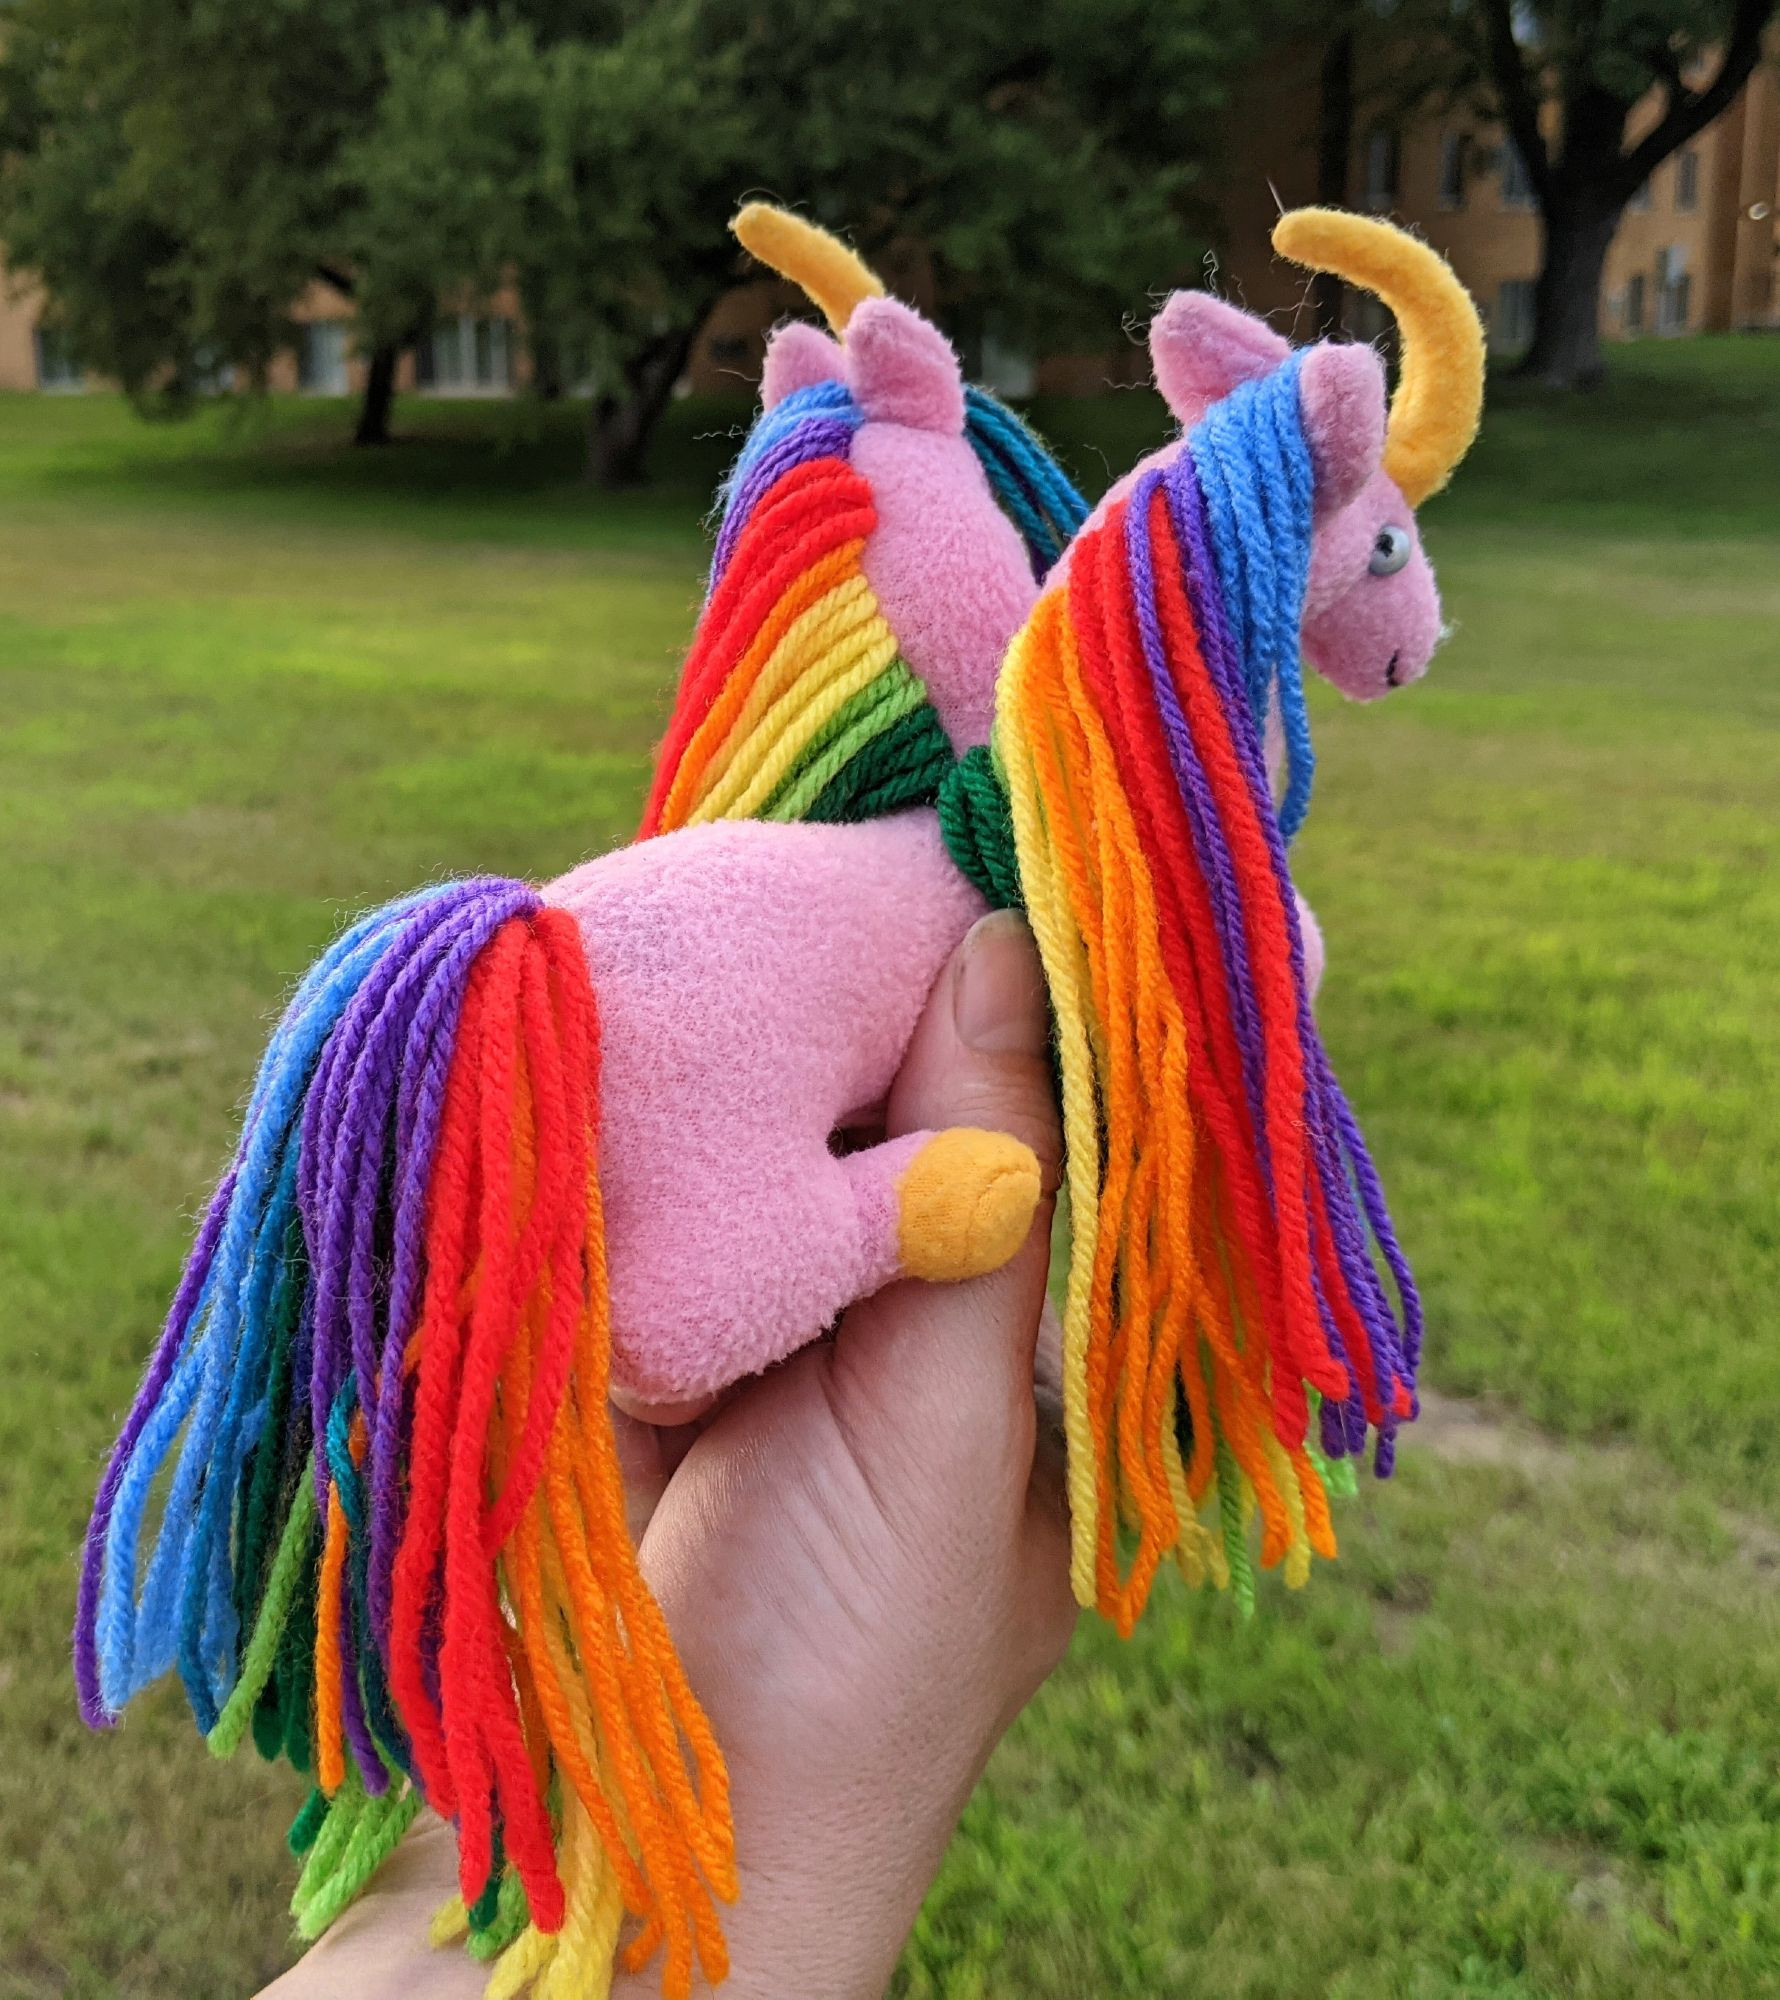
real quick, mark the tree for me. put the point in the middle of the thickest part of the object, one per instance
(173, 175)
(179, 174)
(1043, 154)
(1597, 59)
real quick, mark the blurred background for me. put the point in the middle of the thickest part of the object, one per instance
(366, 371)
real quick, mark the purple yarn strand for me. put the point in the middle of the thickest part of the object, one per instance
(815, 437)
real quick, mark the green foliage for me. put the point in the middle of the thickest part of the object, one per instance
(1521, 1742)
(1625, 47)
(179, 175)
(174, 175)
(1044, 155)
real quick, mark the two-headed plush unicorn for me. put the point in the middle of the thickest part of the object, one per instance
(512, 1148)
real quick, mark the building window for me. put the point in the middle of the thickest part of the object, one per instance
(321, 358)
(1452, 169)
(1517, 183)
(57, 368)
(466, 355)
(1384, 160)
(1634, 303)
(1640, 202)
(1673, 290)
(1687, 179)
(1511, 325)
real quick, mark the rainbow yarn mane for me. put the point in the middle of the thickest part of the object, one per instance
(388, 1356)
(1227, 1329)
(795, 703)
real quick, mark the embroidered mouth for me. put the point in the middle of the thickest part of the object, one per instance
(1390, 672)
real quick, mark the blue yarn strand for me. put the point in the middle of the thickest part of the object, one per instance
(184, 1613)
(1026, 479)
(1255, 472)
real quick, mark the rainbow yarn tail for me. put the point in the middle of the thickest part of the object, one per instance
(1227, 1325)
(391, 1542)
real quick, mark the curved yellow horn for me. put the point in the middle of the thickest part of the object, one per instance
(833, 276)
(1439, 397)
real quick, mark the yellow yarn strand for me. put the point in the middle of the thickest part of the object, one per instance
(814, 635)
(1019, 709)
(812, 703)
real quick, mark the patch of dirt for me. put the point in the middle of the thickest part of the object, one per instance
(1466, 1431)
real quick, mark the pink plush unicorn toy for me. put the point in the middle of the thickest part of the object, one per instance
(511, 1148)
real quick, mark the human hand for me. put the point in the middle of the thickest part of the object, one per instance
(863, 1555)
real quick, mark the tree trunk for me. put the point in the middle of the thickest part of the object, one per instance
(1334, 147)
(546, 369)
(379, 397)
(1566, 349)
(624, 420)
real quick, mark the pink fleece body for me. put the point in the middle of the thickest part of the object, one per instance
(947, 566)
(757, 984)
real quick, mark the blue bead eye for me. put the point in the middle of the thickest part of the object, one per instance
(1390, 551)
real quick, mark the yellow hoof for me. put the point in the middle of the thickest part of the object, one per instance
(967, 1201)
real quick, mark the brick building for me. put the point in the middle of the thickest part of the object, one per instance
(1696, 252)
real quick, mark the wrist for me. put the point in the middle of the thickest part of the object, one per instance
(828, 1896)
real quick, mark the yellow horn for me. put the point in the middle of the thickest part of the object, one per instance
(1439, 395)
(823, 265)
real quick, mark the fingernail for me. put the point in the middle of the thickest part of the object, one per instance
(998, 992)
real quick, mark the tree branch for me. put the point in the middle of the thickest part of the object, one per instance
(1690, 112)
(331, 274)
(1516, 94)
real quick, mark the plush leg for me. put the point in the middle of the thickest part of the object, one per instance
(944, 1205)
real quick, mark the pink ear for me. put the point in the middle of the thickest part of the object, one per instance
(798, 356)
(1202, 347)
(903, 371)
(1341, 392)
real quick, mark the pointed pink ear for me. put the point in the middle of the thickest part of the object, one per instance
(798, 356)
(1201, 347)
(1341, 392)
(903, 371)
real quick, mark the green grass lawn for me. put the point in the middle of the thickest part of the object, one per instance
(1525, 1739)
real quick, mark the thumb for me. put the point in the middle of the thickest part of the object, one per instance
(979, 1057)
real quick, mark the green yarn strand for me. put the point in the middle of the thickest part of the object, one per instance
(978, 826)
(903, 767)
(1242, 1569)
(268, 1632)
(376, 1832)
(308, 1822)
(849, 732)
(511, 1915)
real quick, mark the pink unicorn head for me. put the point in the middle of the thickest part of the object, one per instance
(1371, 611)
